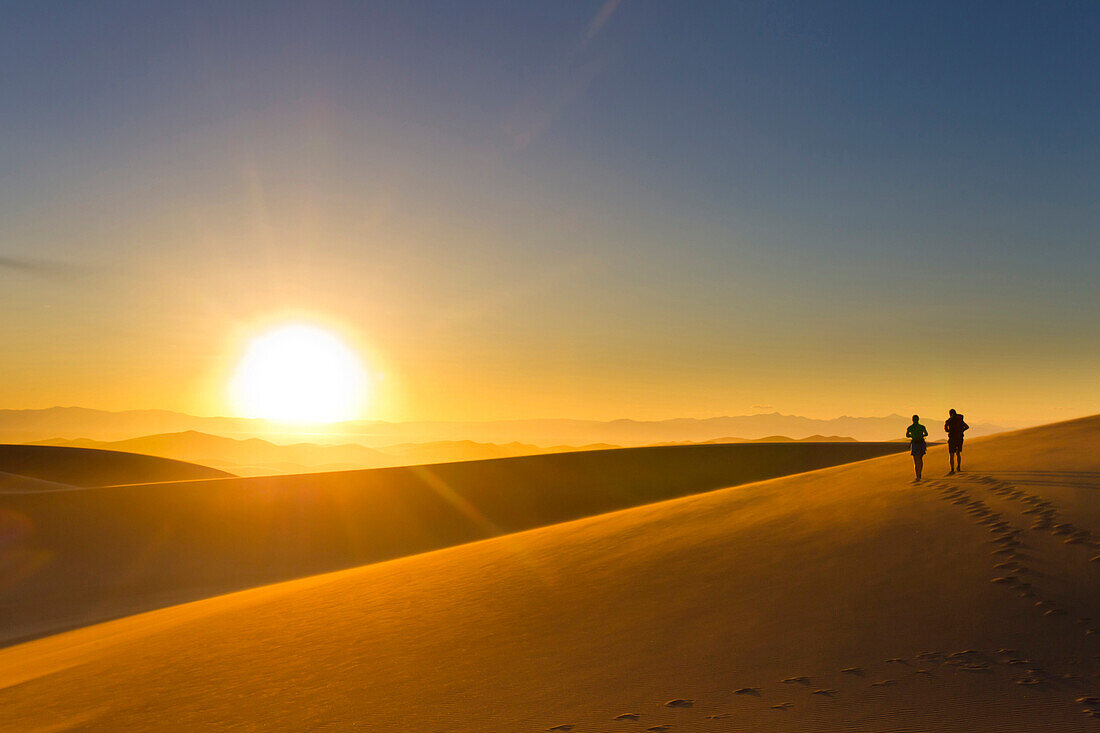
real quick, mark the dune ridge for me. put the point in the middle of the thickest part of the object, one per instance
(148, 546)
(89, 467)
(846, 599)
(257, 457)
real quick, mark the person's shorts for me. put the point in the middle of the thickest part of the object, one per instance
(954, 445)
(918, 447)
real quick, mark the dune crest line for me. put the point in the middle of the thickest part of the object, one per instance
(154, 545)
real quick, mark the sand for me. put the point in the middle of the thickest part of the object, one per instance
(846, 599)
(29, 467)
(78, 557)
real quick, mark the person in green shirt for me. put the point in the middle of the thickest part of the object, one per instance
(917, 447)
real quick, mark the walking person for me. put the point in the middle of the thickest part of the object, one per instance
(917, 447)
(955, 427)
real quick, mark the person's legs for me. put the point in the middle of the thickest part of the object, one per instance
(959, 458)
(951, 454)
(918, 464)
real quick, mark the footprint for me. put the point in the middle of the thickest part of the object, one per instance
(858, 671)
(678, 703)
(783, 706)
(896, 660)
(565, 726)
(884, 683)
(754, 691)
(659, 728)
(826, 692)
(627, 716)
(797, 680)
(718, 716)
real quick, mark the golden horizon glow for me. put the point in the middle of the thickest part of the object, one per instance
(300, 373)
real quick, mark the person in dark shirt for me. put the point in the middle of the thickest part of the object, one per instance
(955, 427)
(917, 447)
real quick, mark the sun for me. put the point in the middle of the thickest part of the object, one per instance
(299, 373)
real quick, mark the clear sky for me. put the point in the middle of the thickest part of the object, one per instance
(558, 209)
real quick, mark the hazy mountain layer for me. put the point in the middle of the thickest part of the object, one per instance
(20, 426)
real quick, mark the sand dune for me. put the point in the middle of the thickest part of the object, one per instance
(256, 457)
(150, 546)
(58, 466)
(846, 599)
(250, 456)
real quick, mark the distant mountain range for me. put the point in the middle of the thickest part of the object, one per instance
(20, 426)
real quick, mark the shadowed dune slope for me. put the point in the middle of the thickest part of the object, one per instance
(85, 467)
(848, 599)
(76, 557)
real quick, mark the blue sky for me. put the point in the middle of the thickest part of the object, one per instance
(637, 209)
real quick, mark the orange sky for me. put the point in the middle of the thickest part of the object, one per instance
(565, 213)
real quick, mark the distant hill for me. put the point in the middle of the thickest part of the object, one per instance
(22, 426)
(24, 467)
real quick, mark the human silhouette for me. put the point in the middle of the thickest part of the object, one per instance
(917, 447)
(955, 427)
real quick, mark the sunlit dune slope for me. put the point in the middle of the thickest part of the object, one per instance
(82, 556)
(870, 595)
(90, 467)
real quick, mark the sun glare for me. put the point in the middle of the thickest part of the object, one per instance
(299, 373)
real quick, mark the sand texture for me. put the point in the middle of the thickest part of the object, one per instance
(846, 599)
(77, 557)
